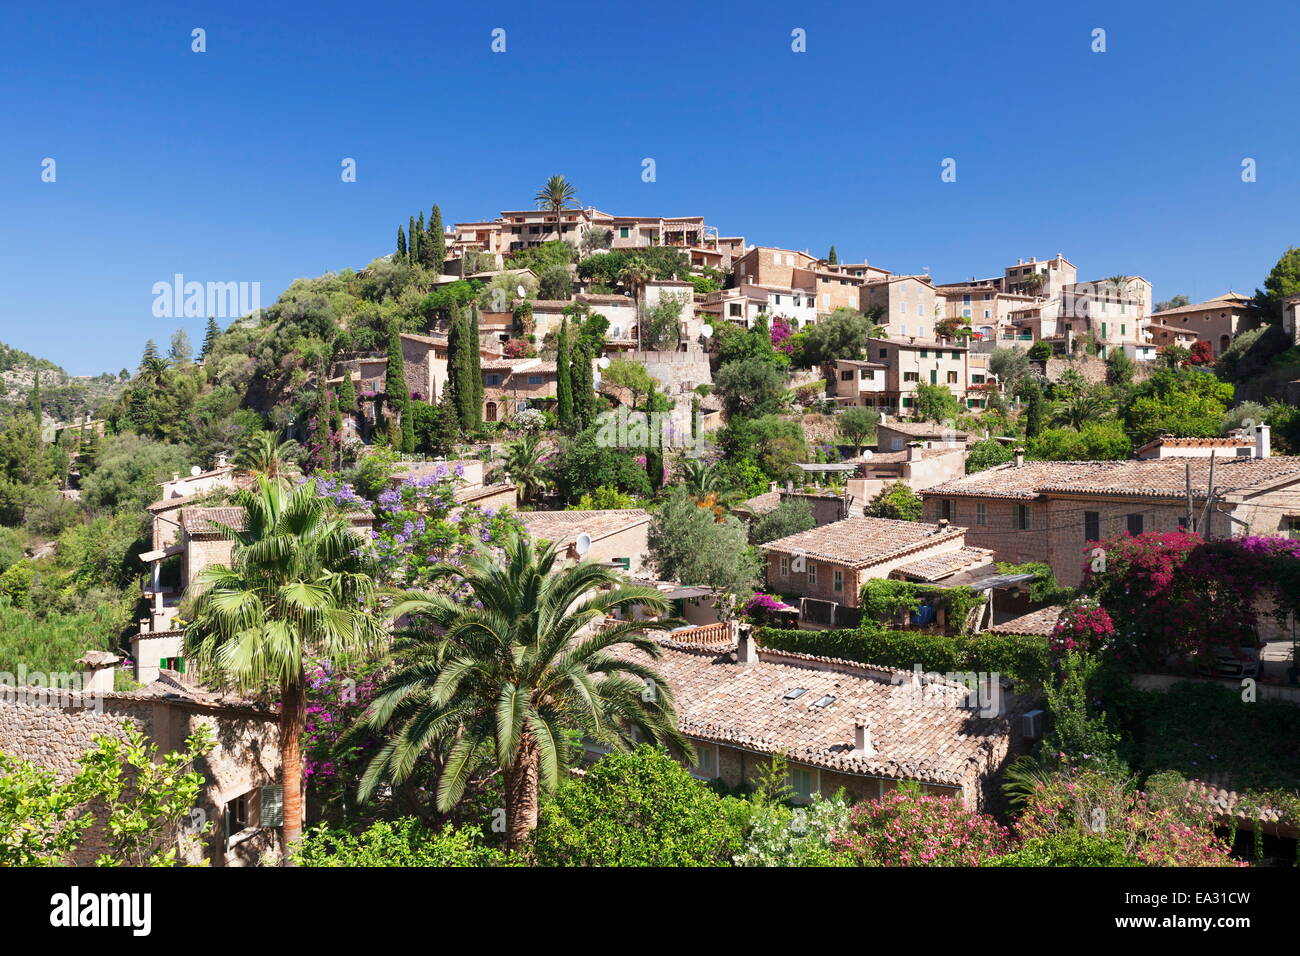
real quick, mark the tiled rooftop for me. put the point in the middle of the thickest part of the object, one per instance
(563, 527)
(862, 542)
(1153, 478)
(1038, 622)
(936, 567)
(922, 735)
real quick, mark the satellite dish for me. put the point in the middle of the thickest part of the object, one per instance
(603, 361)
(706, 331)
(583, 544)
(523, 293)
(195, 471)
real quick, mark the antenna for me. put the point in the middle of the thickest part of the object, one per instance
(582, 544)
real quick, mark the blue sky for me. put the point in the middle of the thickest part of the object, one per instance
(224, 166)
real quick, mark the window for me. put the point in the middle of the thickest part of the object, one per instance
(965, 314)
(235, 814)
(1135, 523)
(934, 376)
(981, 517)
(802, 782)
(1091, 526)
(706, 761)
(965, 300)
(846, 376)
(947, 510)
(785, 566)
(925, 353)
(535, 379)
(955, 355)
(988, 313)
(622, 232)
(868, 374)
(911, 376)
(494, 379)
(884, 353)
(952, 378)
(173, 664)
(976, 378)
(795, 693)
(1291, 525)
(839, 580)
(1020, 519)
(812, 574)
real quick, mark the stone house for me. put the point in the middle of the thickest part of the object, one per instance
(838, 724)
(1217, 321)
(1054, 512)
(617, 537)
(825, 567)
(241, 799)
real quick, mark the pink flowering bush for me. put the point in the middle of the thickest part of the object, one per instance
(1084, 626)
(781, 334)
(909, 828)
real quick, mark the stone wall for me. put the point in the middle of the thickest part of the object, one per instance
(54, 732)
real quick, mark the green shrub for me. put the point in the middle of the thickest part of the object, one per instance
(404, 842)
(636, 809)
(1018, 656)
(1067, 849)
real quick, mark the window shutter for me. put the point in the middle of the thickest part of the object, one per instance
(271, 807)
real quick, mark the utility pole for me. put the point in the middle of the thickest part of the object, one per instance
(1209, 499)
(1190, 523)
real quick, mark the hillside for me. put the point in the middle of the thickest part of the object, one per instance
(64, 397)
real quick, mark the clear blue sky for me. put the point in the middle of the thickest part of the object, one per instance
(225, 165)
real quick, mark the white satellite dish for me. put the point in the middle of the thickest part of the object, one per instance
(523, 293)
(583, 544)
(195, 471)
(706, 331)
(603, 361)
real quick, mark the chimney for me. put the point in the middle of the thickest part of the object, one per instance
(221, 460)
(1020, 457)
(746, 646)
(97, 677)
(913, 450)
(789, 487)
(1263, 442)
(862, 736)
(176, 476)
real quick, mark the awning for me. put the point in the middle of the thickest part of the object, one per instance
(151, 556)
(980, 580)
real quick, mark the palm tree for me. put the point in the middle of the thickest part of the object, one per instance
(295, 589)
(261, 454)
(524, 466)
(1079, 408)
(557, 195)
(699, 476)
(511, 666)
(1119, 283)
(1034, 282)
(636, 272)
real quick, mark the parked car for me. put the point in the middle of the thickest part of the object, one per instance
(1231, 662)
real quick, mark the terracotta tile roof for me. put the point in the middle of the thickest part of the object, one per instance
(936, 567)
(1169, 441)
(1227, 302)
(605, 299)
(862, 542)
(893, 457)
(917, 734)
(475, 492)
(197, 521)
(1038, 622)
(563, 527)
(1151, 477)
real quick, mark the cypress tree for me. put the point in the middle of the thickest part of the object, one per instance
(36, 399)
(150, 354)
(408, 426)
(396, 394)
(832, 258)
(437, 243)
(563, 383)
(460, 371)
(401, 244)
(393, 434)
(210, 337)
(419, 254)
(1034, 413)
(583, 383)
(347, 394)
(446, 424)
(413, 241)
(475, 365)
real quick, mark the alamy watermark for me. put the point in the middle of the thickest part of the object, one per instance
(196, 300)
(61, 689)
(983, 691)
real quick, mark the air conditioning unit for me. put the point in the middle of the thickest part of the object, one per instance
(1032, 724)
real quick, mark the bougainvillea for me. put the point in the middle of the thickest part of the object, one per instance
(781, 333)
(911, 828)
(1083, 626)
(1173, 592)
